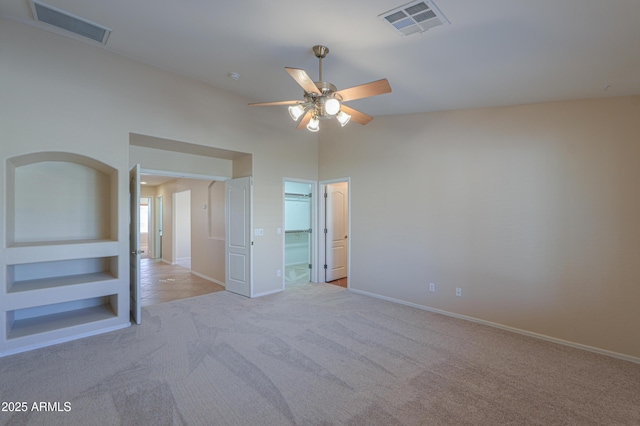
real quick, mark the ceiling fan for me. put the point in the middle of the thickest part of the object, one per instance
(323, 100)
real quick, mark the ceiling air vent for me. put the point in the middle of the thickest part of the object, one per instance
(64, 20)
(415, 17)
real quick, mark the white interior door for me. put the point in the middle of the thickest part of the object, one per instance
(238, 236)
(337, 230)
(134, 243)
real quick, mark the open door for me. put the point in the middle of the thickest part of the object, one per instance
(134, 243)
(238, 195)
(336, 230)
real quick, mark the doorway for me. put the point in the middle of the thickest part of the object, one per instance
(157, 253)
(299, 232)
(181, 226)
(166, 275)
(146, 236)
(335, 246)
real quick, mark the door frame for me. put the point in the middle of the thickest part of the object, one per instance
(134, 245)
(150, 228)
(321, 223)
(175, 235)
(157, 227)
(315, 229)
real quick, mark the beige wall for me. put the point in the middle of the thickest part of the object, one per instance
(532, 210)
(63, 95)
(177, 162)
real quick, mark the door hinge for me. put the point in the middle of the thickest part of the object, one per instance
(325, 266)
(309, 230)
(325, 230)
(325, 195)
(309, 266)
(251, 242)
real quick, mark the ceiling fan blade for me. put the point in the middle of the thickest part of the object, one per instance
(302, 78)
(357, 116)
(366, 90)
(305, 120)
(276, 103)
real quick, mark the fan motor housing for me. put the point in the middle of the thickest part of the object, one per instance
(325, 87)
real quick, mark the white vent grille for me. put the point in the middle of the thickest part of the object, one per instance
(68, 22)
(415, 17)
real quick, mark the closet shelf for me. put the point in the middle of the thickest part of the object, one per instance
(293, 231)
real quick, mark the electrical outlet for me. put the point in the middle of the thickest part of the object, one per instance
(279, 273)
(432, 287)
(458, 292)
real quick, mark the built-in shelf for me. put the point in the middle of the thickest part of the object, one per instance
(59, 320)
(61, 257)
(60, 251)
(39, 187)
(44, 283)
(56, 243)
(42, 275)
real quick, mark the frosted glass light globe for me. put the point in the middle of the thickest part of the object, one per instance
(332, 106)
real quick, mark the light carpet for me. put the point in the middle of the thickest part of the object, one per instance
(316, 354)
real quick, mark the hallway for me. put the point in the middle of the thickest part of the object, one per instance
(161, 282)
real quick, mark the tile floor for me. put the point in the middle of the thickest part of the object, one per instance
(161, 282)
(299, 274)
(296, 274)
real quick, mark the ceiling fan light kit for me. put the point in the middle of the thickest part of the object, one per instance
(343, 118)
(322, 100)
(296, 111)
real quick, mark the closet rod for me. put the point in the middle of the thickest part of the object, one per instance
(297, 195)
(296, 231)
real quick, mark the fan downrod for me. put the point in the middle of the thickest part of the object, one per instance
(321, 52)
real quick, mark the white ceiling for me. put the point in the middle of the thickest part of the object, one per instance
(494, 53)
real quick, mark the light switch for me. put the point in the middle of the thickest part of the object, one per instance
(259, 232)
(279, 231)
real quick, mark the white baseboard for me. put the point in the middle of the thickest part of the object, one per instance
(213, 280)
(505, 327)
(267, 293)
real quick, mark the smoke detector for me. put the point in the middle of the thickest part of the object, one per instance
(68, 22)
(415, 17)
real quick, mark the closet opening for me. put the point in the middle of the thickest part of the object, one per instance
(299, 232)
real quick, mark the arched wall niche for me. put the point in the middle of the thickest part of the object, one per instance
(60, 197)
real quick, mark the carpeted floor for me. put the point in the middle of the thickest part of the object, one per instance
(315, 354)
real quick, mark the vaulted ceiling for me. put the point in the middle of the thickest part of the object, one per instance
(493, 53)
